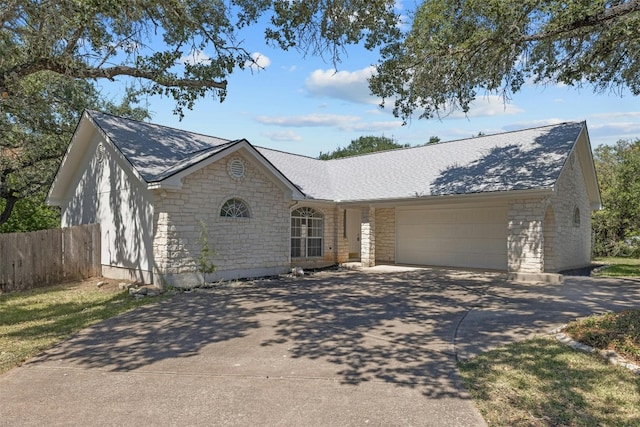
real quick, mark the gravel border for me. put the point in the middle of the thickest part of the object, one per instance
(609, 355)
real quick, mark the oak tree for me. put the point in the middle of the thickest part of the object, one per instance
(617, 226)
(181, 49)
(35, 128)
(458, 49)
(52, 52)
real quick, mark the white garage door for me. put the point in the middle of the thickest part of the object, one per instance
(458, 237)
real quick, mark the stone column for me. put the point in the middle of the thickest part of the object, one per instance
(525, 239)
(368, 237)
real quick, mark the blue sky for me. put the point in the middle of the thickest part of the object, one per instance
(301, 104)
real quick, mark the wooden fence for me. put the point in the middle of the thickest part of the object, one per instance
(47, 257)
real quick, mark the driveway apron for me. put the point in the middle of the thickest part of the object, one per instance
(377, 347)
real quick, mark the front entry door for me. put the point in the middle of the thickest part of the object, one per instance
(353, 233)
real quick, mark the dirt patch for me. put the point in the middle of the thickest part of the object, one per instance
(101, 283)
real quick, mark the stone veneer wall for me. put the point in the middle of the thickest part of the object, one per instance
(245, 247)
(385, 235)
(368, 237)
(525, 245)
(530, 220)
(572, 242)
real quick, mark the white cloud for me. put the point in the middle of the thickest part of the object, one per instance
(492, 105)
(532, 124)
(617, 130)
(259, 62)
(195, 57)
(286, 136)
(340, 122)
(351, 86)
(308, 120)
(616, 115)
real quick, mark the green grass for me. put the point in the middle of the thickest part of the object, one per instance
(612, 331)
(541, 382)
(35, 320)
(618, 267)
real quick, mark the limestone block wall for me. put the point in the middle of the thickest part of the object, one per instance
(244, 247)
(525, 243)
(368, 237)
(385, 235)
(573, 218)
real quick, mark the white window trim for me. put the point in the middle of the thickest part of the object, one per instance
(304, 238)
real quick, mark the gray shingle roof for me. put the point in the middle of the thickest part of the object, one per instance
(520, 160)
(155, 151)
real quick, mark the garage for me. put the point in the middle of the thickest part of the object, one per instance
(473, 236)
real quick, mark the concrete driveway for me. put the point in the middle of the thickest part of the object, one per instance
(371, 347)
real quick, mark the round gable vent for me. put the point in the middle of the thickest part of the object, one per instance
(236, 168)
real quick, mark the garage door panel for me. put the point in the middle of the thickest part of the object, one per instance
(465, 237)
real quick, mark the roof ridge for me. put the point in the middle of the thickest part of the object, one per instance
(505, 132)
(289, 153)
(411, 147)
(90, 111)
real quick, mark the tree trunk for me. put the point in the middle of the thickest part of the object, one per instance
(10, 202)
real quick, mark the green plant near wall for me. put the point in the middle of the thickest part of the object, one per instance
(205, 265)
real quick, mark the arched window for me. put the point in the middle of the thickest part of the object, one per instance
(306, 233)
(234, 208)
(576, 216)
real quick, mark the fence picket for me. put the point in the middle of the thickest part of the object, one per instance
(47, 257)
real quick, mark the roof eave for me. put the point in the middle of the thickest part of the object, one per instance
(58, 188)
(450, 198)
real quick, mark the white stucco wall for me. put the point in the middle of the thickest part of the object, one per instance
(105, 192)
(244, 247)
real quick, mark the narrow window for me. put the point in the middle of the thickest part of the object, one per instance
(306, 233)
(234, 208)
(576, 217)
(344, 223)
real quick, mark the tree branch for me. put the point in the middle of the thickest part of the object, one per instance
(110, 73)
(597, 19)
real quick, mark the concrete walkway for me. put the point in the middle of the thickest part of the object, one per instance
(371, 347)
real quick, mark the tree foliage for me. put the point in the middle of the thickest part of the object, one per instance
(35, 128)
(458, 49)
(51, 52)
(617, 225)
(363, 145)
(148, 40)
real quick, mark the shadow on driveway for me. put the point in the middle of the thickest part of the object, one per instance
(356, 345)
(396, 328)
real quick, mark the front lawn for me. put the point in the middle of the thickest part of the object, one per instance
(35, 320)
(618, 267)
(541, 382)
